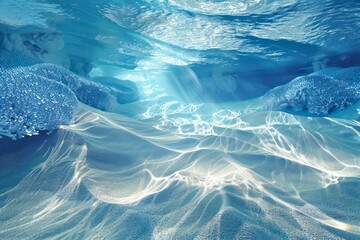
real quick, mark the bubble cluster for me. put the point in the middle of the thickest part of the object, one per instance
(90, 93)
(30, 104)
(319, 94)
(26, 110)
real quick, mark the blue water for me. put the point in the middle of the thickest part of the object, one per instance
(180, 119)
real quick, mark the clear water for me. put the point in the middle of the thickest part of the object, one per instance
(194, 150)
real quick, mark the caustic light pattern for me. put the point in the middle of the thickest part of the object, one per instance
(152, 119)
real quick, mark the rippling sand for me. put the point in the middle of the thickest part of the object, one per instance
(197, 156)
(195, 172)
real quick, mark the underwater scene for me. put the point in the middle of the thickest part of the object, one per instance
(179, 119)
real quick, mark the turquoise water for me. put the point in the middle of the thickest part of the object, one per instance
(177, 119)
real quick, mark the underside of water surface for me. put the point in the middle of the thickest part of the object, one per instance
(179, 119)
